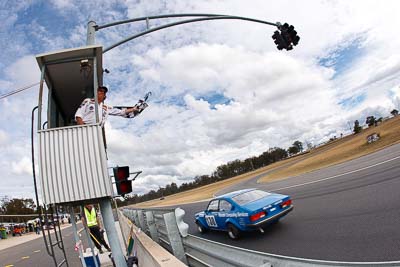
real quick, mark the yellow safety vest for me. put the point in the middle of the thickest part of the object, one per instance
(91, 217)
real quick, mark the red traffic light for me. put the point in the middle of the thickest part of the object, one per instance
(121, 173)
(124, 186)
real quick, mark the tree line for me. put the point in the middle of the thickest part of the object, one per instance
(16, 206)
(372, 121)
(222, 172)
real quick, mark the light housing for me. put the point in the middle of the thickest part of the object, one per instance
(258, 216)
(286, 203)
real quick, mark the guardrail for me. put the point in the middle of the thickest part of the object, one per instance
(166, 227)
(148, 252)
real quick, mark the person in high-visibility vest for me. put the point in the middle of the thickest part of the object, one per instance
(91, 221)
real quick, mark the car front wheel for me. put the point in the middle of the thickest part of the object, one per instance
(233, 232)
(201, 228)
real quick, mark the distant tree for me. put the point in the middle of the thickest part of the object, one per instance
(378, 121)
(18, 206)
(3, 202)
(299, 145)
(309, 145)
(222, 172)
(293, 150)
(357, 128)
(370, 121)
(394, 112)
(277, 154)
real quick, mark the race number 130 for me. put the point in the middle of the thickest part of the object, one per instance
(211, 221)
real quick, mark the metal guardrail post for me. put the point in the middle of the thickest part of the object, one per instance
(151, 225)
(142, 223)
(135, 217)
(174, 236)
(130, 214)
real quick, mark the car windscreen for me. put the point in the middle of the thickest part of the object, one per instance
(249, 196)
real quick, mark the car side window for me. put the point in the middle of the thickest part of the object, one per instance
(225, 206)
(213, 206)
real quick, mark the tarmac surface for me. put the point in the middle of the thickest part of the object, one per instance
(12, 241)
(347, 212)
(29, 249)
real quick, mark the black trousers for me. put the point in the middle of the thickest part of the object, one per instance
(97, 237)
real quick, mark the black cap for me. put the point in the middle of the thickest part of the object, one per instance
(103, 88)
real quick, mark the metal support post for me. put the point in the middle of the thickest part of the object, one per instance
(76, 237)
(151, 225)
(175, 239)
(91, 32)
(109, 224)
(39, 125)
(95, 86)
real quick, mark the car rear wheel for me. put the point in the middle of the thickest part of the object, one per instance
(201, 228)
(233, 232)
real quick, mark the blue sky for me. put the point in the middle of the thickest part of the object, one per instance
(221, 89)
(344, 56)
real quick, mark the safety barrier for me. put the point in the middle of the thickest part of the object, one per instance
(166, 227)
(148, 252)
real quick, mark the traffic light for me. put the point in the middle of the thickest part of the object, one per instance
(285, 35)
(121, 174)
(293, 35)
(286, 38)
(278, 40)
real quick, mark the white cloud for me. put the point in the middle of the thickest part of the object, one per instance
(23, 166)
(23, 71)
(221, 90)
(61, 4)
(3, 138)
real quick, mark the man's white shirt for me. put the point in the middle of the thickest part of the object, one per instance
(86, 111)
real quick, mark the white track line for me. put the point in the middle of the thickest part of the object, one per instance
(338, 175)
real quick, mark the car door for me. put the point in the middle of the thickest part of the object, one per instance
(224, 212)
(211, 214)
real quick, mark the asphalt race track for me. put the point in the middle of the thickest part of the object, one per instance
(34, 254)
(348, 212)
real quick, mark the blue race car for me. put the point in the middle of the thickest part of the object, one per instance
(243, 210)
